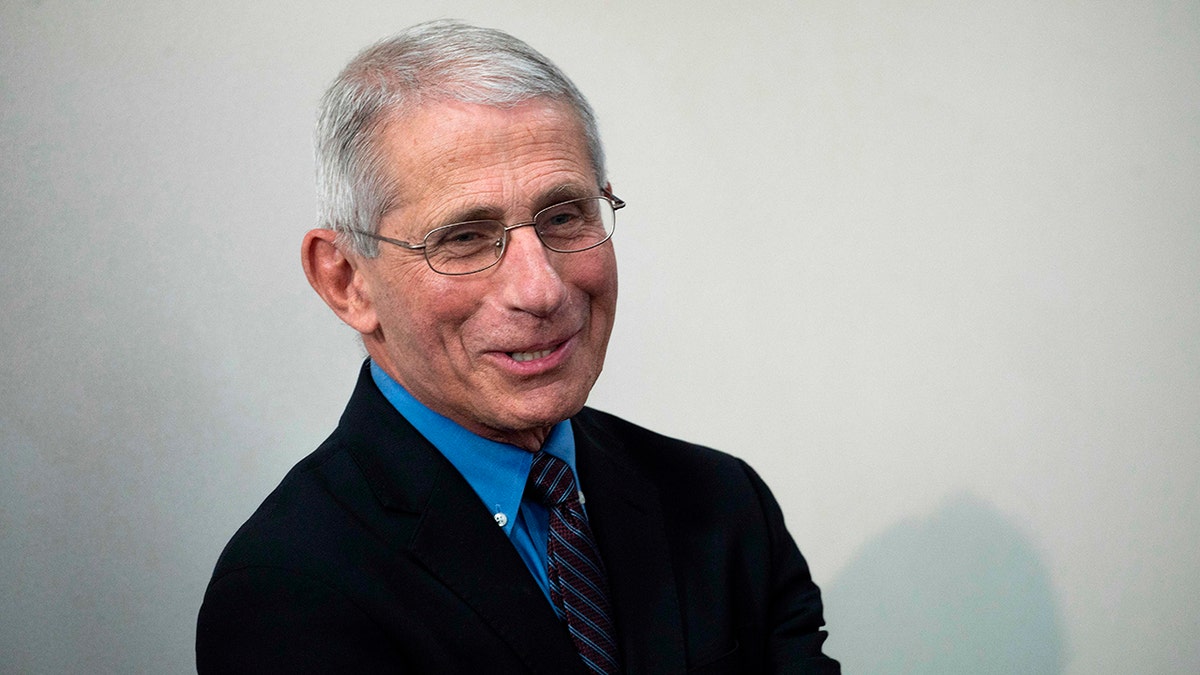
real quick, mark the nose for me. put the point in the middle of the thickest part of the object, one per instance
(531, 282)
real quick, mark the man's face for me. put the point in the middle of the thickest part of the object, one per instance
(514, 349)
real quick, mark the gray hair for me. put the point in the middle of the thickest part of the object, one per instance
(433, 61)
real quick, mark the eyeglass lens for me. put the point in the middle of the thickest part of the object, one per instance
(572, 226)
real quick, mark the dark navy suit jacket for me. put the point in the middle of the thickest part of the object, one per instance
(375, 555)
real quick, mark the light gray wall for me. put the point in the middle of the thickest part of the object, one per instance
(932, 268)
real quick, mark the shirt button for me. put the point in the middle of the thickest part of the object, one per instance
(501, 519)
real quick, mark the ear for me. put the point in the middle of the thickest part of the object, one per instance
(336, 277)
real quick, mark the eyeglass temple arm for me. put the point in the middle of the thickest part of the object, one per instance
(617, 202)
(397, 242)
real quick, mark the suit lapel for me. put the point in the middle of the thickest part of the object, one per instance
(627, 520)
(459, 543)
(456, 540)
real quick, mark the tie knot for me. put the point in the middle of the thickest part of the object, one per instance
(551, 480)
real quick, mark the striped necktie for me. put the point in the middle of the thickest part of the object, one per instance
(578, 587)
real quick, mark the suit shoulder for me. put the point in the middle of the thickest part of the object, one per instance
(290, 527)
(663, 457)
(616, 428)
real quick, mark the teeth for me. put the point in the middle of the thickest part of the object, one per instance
(529, 356)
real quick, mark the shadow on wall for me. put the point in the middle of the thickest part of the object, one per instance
(962, 591)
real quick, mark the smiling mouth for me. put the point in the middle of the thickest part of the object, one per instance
(530, 356)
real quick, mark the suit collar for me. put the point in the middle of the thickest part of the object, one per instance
(497, 472)
(400, 466)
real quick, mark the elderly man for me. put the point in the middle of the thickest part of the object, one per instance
(443, 527)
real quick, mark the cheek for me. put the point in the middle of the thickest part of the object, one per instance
(443, 322)
(422, 311)
(450, 316)
(599, 281)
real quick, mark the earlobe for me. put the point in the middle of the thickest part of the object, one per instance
(336, 277)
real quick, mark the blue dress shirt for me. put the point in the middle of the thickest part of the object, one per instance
(496, 471)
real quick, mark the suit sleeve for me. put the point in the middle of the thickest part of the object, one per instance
(794, 613)
(266, 620)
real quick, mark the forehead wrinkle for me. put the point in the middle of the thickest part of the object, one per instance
(485, 171)
(511, 186)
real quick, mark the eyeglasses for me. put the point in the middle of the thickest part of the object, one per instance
(465, 248)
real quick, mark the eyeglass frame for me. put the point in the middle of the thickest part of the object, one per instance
(606, 194)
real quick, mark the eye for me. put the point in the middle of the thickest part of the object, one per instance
(464, 239)
(560, 216)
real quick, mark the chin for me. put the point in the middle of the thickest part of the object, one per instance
(545, 409)
(540, 418)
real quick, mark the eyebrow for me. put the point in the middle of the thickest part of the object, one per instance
(555, 195)
(565, 192)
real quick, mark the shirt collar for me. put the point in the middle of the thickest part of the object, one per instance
(496, 471)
